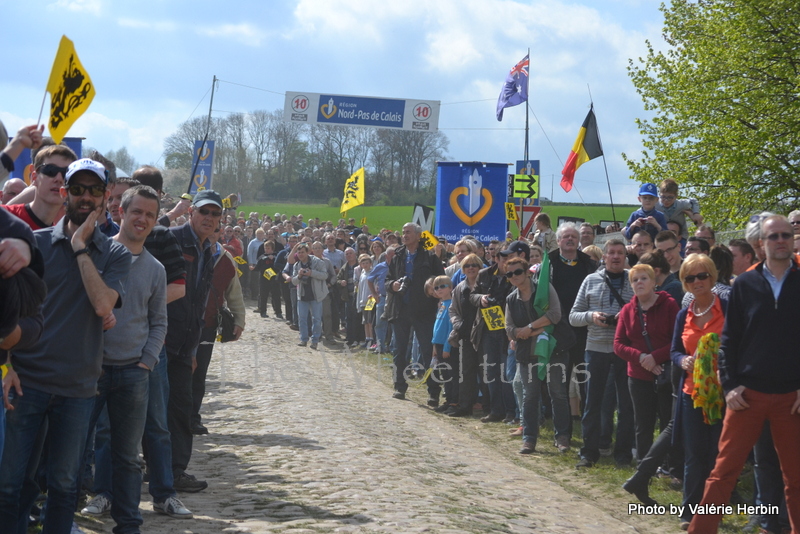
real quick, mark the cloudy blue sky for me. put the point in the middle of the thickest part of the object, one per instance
(152, 62)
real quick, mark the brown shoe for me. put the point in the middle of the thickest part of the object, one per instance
(562, 444)
(527, 448)
(515, 432)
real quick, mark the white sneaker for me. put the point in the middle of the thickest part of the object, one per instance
(100, 505)
(173, 507)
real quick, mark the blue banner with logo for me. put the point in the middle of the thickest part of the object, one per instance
(470, 200)
(205, 165)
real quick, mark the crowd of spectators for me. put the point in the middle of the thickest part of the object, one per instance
(622, 339)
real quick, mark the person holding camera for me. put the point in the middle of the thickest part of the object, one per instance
(600, 299)
(310, 275)
(408, 308)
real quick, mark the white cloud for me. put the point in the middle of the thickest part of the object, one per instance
(80, 6)
(156, 25)
(245, 33)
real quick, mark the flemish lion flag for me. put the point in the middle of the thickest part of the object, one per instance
(586, 147)
(71, 90)
(353, 191)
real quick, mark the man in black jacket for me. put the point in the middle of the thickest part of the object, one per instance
(760, 374)
(407, 306)
(569, 266)
(185, 325)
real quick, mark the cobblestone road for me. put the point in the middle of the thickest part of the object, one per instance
(310, 441)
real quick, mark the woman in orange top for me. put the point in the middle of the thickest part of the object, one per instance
(703, 315)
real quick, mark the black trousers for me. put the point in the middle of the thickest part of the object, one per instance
(287, 299)
(179, 409)
(207, 337)
(468, 377)
(267, 289)
(648, 404)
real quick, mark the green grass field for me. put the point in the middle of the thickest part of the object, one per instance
(394, 217)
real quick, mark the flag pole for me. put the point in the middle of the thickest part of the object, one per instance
(527, 105)
(205, 137)
(608, 181)
(41, 109)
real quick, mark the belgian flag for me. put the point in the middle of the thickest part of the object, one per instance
(586, 147)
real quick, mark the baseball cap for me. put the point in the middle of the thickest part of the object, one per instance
(207, 196)
(648, 189)
(88, 165)
(517, 247)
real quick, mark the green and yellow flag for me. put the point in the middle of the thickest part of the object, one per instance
(71, 90)
(353, 191)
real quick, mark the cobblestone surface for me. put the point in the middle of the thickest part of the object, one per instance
(310, 441)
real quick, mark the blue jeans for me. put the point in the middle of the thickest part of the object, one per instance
(157, 441)
(556, 383)
(303, 309)
(599, 366)
(700, 443)
(124, 391)
(69, 425)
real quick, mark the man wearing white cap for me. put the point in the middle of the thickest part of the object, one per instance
(57, 377)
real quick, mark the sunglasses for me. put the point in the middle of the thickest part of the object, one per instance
(514, 273)
(437, 288)
(780, 235)
(77, 190)
(475, 265)
(206, 212)
(699, 276)
(52, 170)
(795, 222)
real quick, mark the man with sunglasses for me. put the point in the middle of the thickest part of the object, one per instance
(84, 272)
(760, 373)
(50, 168)
(185, 317)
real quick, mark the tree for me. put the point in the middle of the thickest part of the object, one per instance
(123, 160)
(726, 104)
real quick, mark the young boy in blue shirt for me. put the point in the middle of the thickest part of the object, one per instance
(647, 218)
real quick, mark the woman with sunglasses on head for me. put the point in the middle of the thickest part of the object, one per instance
(643, 338)
(704, 314)
(463, 315)
(524, 325)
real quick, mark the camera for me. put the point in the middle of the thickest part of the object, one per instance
(610, 320)
(491, 301)
(404, 284)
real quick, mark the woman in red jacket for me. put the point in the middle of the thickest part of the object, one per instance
(643, 338)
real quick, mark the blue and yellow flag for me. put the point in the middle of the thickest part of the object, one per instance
(546, 342)
(353, 191)
(71, 90)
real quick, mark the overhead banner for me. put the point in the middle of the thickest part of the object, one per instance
(315, 108)
(470, 200)
(202, 175)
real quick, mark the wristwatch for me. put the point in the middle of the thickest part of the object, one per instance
(77, 253)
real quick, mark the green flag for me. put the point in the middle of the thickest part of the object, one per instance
(546, 342)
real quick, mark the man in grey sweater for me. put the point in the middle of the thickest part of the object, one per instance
(600, 298)
(131, 349)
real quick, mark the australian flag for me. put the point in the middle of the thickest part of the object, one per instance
(515, 89)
